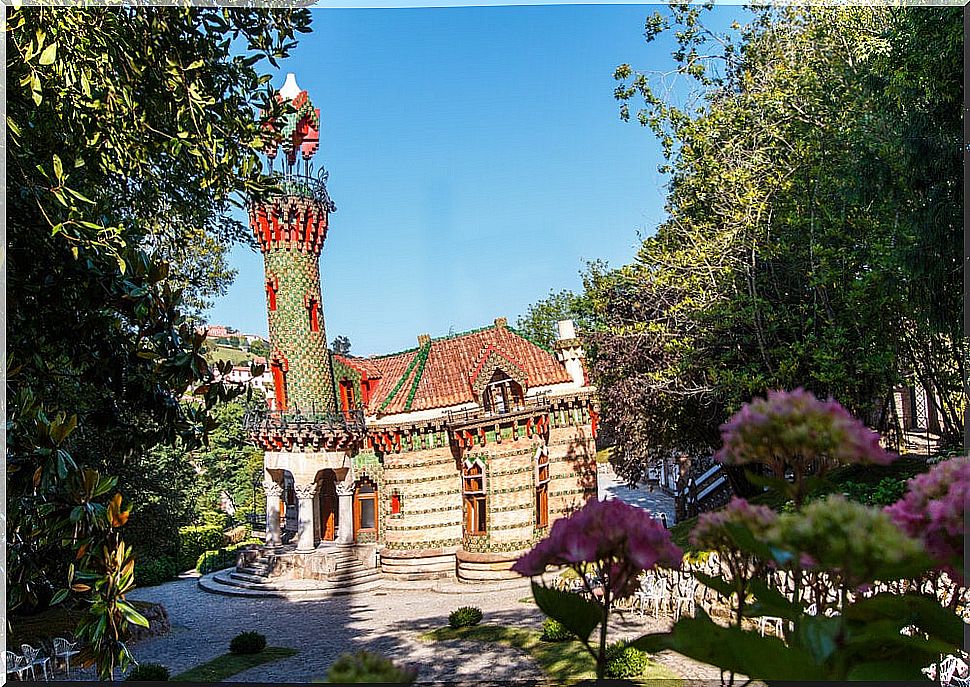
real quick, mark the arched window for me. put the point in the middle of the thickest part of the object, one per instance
(502, 394)
(473, 492)
(347, 399)
(272, 287)
(542, 488)
(365, 506)
(279, 384)
(313, 311)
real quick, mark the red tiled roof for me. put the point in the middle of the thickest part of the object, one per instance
(365, 365)
(438, 374)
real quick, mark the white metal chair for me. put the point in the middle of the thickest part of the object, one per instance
(654, 592)
(16, 664)
(34, 659)
(686, 589)
(954, 671)
(774, 621)
(63, 650)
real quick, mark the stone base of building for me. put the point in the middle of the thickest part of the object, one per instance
(418, 564)
(486, 567)
(348, 565)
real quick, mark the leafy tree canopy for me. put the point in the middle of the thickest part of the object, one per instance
(132, 133)
(813, 233)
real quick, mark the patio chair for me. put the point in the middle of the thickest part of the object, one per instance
(774, 621)
(16, 664)
(653, 590)
(63, 650)
(686, 589)
(953, 671)
(34, 659)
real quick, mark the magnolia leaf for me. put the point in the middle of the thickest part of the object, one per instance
(49, 54)
(579, 615)
(59, 596)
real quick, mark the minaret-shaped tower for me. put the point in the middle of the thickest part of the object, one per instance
(290, 229)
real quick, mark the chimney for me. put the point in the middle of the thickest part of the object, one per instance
(501, 323)
(424, 339)
(567, 329)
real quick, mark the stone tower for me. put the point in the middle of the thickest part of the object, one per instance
(308, 445)
(290, 229)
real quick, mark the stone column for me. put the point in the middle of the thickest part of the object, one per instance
(304, 531)
(273, 493)
(345, 506)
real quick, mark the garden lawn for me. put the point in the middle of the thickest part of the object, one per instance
(561, 661)
(227, 665)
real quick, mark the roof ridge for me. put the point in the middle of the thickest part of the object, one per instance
(523, 335)
(400, 382)
(423, 356)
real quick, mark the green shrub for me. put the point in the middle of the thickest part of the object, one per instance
(148, 672)
(367, 666)
(195, 540)
(885, 492)
(466, 616)
(224, 557)
(555, 631)
(216, 518)
(247, 643)
(624, 661)
(154, 570)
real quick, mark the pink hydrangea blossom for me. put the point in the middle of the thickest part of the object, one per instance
(933, 510)
(711, 534)
(624, 539)
(796, 429)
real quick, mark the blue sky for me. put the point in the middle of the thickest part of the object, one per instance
(477, 160)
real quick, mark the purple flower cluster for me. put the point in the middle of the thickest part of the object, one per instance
(623, 539)
(711, 534)
(933, 510)
(795, 426)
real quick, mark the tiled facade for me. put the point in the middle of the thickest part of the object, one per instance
(450, 458)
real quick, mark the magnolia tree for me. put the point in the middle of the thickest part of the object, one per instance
(841, 618)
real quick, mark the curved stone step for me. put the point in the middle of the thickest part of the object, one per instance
(217, 583)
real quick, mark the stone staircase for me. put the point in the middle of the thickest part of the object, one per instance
(331, 571)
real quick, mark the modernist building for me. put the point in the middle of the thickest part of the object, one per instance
(450, 458)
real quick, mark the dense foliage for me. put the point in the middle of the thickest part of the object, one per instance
(368, 666)
(555, 631)
(813, 228)
(131, 132)
(466, 616)
(624, 661)
(251, 642)
(148, 672)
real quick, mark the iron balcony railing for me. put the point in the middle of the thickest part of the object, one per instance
(530, 404)
(295, 184)
(345, 420)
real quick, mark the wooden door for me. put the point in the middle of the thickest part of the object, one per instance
(328, 507)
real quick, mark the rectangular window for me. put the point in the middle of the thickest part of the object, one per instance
(542, 488)
(367, 514)
(473, 491)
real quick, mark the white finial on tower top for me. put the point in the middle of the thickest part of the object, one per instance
(290, 90)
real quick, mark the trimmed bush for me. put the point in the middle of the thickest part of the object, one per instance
(154, 571)
(247, 643)
(466, 616)
(624, 661)
(224, 557)
(555, 631)
(196, 540)
(148, 672)
(367, 666)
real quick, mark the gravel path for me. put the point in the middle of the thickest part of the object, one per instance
(387, 621)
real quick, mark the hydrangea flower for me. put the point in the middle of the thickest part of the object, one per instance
(861, 543)
(624, 539)
(710, 532)
(795, 429)
(933, 510)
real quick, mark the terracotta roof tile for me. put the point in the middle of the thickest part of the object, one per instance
(443, 378)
